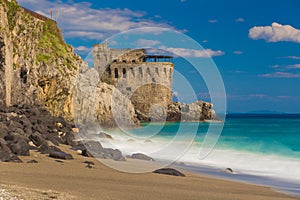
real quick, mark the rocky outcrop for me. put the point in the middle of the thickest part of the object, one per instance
(36, 65)
(180, 112)
(197, 111)
(97, 103)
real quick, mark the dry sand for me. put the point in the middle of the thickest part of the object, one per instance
(71, 179)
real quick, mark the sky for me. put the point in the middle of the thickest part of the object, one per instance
(254, 44)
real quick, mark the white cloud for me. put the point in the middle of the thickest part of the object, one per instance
(275, 33)
(280, 75)
(295, 66)
(238, 52)
(193, 53)
(146, 43)
(204, 41)
(239, 19)
(213, 21)
(292, 57)
(83, 49)
(84, 34)
(83, 21)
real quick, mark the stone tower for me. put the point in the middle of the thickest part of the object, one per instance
(145, 79)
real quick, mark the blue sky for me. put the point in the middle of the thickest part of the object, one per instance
(255, 44)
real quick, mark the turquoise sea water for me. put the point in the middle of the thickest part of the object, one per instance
(265, 146)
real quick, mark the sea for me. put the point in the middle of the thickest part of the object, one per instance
(262, 149)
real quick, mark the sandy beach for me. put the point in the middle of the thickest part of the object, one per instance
(71, 179)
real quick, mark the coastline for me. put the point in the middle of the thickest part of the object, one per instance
(71, 179)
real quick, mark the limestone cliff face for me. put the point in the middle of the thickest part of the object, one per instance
(36, 65)
(97, 103)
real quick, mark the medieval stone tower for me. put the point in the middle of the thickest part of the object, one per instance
(145, 79)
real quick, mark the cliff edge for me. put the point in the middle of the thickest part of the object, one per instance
(36, 65)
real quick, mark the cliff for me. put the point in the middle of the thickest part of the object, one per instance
(36, 65)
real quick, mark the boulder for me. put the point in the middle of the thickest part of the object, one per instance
(169, 171)
(60, 155)
(105, 135)
(14, 124)
(95, 149)
(140, 156)
(114, 154)
(19, 146)
(46, 149)
(70, 139)
(3, 130)
(93, 146)
(37, 138)
(6, 154)
(55, 139)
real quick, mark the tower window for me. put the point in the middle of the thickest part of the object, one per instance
(116, 73)
(124, 73)
(109, 71)
(156, 70)
(140, 71)
(148, 70)
(132, 71)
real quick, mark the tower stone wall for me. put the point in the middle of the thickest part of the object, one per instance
(147, 84)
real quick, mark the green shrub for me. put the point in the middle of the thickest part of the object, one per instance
(13, 9)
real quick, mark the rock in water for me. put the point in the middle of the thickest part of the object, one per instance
(140, 156)
(229, 170)
(169, 171)
(105, 135)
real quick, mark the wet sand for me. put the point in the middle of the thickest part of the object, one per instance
(71, 179)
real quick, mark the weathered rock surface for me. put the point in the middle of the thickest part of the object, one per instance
(97, 103)
(36, 65)
(169, 171)
(197, 111)
(176, 112)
